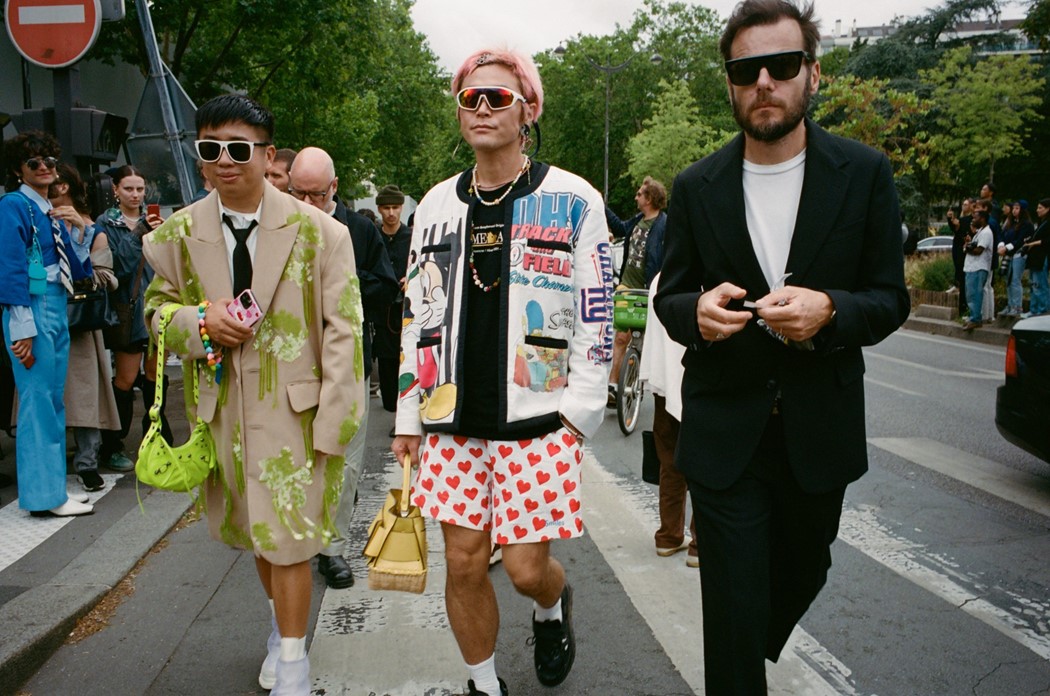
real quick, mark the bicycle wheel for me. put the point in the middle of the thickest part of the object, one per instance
(629, 395)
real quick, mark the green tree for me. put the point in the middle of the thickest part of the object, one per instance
(986, 107)
(673, 137)
(351, 76)
(1036, 24)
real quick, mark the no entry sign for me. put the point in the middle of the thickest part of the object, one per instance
(53, 33)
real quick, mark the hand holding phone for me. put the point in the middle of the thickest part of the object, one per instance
(245, 309)
(152, 209)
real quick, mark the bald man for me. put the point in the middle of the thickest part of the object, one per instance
(312, 179)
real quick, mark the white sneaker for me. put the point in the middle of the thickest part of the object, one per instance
(268, 673)
(71, 508)
(77, 497)
(293, 678)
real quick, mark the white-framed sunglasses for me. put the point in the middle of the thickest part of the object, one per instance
(240, 151)
(497, 98)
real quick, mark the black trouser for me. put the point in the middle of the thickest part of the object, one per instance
(765, 550)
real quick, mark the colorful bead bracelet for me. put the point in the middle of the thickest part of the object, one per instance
(214, 355)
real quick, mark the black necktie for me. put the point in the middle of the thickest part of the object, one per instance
(242, 260)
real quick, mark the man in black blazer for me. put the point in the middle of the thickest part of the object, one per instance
(773, 399)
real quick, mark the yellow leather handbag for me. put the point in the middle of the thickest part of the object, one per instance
(397, 542)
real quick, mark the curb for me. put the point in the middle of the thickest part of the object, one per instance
(996, 334)
(37, 622)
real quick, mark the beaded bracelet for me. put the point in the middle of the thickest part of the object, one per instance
(214, 355)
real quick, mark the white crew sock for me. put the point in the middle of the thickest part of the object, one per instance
(548, 613)
(273, 611)
(293, 649)
(484, 676)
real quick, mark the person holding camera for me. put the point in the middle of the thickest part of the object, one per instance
(977, 265)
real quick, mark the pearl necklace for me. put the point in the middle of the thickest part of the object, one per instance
(473, 270)
(525, 165)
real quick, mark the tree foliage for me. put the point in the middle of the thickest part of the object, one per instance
(350, 76)
(985, 107)
(673, 137)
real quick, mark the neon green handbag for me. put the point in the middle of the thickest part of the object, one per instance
(160, 465)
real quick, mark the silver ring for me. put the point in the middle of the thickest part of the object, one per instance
(719, 336)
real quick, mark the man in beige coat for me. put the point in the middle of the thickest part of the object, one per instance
(285, 398)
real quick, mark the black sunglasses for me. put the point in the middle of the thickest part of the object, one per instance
(780, 66)
(34, 162)
(240, 151)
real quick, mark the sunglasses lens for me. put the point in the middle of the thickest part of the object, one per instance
(496, 97)
(239, 152)
(208, 150)
(743, 73)
(34, 162)
(784, 67)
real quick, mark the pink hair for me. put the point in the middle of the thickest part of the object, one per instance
(518, 63)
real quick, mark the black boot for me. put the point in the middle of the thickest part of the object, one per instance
(149, 392)
(111, 453)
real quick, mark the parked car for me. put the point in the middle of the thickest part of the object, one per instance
(934, 244)
(1022, 404)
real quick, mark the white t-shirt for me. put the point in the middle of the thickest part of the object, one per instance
(771, 197)
(242, 220)
(982, 261)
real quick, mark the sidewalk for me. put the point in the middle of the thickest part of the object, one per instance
(45, 591)
(937, 320)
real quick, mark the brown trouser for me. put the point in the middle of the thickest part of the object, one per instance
(673, 489)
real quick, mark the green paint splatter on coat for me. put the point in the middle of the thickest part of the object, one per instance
(177, 340)
(306, 422)
(333, 489)
(174, 229)
(287, 483)
(299, 267)
(238, 458)
(262, 536)
(281, 337)
(229, 532)
(349, 307)
(349, 427)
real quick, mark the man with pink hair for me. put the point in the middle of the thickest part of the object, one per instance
(517, 251)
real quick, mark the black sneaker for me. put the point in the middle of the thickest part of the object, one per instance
(474, 692)
(91, 481)
(555, 644)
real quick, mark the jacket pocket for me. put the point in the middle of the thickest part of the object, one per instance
(548, 244)
(304, 395)
(546, 342)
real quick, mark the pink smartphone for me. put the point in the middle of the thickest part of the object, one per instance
(245, 309)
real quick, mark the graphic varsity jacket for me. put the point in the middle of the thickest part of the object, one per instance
(556, 310)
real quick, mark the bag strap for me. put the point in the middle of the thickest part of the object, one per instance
(138, 279)
(406, 483)
(166, 315)
(32, 221)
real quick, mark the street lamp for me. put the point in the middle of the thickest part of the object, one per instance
(608, 68)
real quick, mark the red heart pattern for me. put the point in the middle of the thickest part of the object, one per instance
(534, 484)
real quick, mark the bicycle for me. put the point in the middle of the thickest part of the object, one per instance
(629, 311)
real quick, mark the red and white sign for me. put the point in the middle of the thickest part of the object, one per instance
(53, 33)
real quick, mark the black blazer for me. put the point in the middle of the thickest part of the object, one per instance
(846, 243)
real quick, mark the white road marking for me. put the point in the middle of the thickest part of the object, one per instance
(23, 532)
(1021, 620)
(394, 636)
(954, 343)
(621, 517)
(887, 385)
(1018, 487)
(976, 373)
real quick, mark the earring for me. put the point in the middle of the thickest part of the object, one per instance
(526, 139)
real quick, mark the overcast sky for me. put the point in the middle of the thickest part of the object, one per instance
(456, 28)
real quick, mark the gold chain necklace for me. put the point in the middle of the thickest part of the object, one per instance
(477, 193)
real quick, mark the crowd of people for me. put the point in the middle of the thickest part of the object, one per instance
(490, 319)
(989, 239)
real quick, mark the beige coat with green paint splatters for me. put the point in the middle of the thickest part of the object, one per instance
(291, 398)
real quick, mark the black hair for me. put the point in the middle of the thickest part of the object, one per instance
(235, 108)
(118, 174)
(25, 145)
(755, 13)
(991, 187)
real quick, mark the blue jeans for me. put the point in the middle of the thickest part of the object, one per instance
(40, 445)
(1013, 289)
(1039, 300)
(975, 281)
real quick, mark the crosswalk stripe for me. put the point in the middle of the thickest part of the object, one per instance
(621, 517)
(1015, 486)
(23, 533)
(1018, 618)
(385, 632)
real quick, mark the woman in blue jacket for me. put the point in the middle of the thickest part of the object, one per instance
(38, 268)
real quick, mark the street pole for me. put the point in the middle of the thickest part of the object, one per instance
(608, 68)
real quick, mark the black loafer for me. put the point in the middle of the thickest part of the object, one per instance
(336, 571)
(472, 691)
(555, 644)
